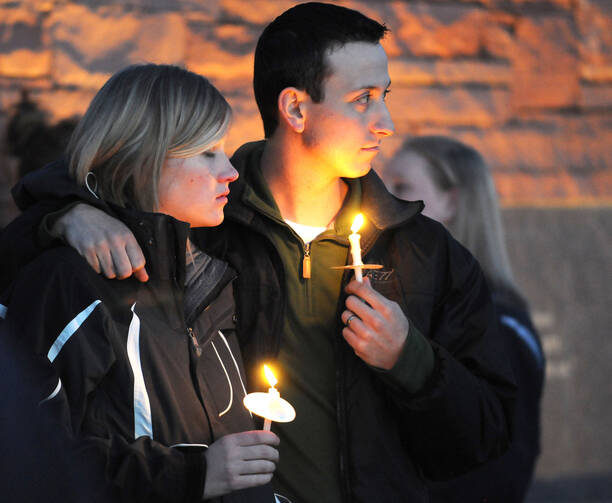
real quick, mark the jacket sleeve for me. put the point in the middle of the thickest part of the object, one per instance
(42, 195)
(54, 310)
(462, 415)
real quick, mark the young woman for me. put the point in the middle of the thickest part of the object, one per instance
(148, 377)
(456, 186)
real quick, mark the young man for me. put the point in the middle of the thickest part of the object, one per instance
(396, 379)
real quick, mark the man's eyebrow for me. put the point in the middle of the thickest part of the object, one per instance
(371, 88)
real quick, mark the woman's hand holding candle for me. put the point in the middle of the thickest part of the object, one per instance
(240, 460)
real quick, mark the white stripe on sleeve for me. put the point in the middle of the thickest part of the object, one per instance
(54, 392)
(526, 335)
(70, 329)
(143, 424)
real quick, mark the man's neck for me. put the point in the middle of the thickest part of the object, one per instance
(302, 193)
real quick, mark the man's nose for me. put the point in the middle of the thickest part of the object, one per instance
(383, 124)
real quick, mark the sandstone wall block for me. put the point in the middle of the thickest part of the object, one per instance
(437, 30)
(19, 28)
(596, 97)
(468, 106)
(90, 45)
(594, 21)
(446, 73)
(25, 63)
(64, 104)
(545, 63)
(259, 12)
(209, 58)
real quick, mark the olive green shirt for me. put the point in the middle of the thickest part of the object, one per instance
(306, 364)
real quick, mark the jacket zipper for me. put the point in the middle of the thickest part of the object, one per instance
(194, 342)
(306, 262)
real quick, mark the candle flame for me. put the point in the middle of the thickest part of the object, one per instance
(270, 376)
(357, 223)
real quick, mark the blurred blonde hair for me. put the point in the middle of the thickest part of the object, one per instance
(143, 115)
(477, 222)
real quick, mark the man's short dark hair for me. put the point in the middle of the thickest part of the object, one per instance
(291, 52)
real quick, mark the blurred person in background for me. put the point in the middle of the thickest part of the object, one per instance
(148, 378)
(32, 140)
(455, 183)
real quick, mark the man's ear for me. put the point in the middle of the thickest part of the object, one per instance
(291, 108)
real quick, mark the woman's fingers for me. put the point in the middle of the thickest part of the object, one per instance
(260, 452)
(252, 480)
(256, 467)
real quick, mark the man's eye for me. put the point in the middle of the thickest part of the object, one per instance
(209, 153)
(364, 99)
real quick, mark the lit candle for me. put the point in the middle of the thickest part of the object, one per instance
(356, 247)
(270, 405)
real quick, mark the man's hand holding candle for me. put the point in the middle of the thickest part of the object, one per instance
(376, 327)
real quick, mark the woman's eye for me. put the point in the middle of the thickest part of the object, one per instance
(209, 153)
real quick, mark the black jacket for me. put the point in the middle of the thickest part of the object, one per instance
(507, 479)
(390, 440)
(144, 389)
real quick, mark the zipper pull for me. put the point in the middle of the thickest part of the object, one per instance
(306, 262)
(194, 342)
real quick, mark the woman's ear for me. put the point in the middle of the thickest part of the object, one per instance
(448, 201)
(291, 109)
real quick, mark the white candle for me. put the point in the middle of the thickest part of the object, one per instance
(354, 239)
(273, 394)
(270, 405)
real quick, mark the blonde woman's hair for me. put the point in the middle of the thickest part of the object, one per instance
(143, 115)
(477, 222)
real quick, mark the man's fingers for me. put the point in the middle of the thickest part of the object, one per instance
(106, 263)
(92, 259)
(366, 293)
(353, 340)
(365, 313)
(121, 262)
(141, 275)
(136, 258)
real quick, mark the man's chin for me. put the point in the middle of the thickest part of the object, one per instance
(358, 171)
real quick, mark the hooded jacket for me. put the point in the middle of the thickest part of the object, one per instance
(390, 440)
(143, 388)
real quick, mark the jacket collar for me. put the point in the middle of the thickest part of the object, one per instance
(380, 207)
(163, 240)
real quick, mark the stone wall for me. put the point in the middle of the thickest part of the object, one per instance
(526, 82)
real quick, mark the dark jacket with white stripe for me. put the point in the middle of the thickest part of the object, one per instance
(144, 390)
